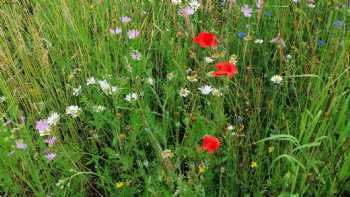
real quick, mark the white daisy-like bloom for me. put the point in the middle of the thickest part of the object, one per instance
(53, 119)
(206, 89)
(76, 91)
(98, 108)
(107, 88)
(2, 99)
(208, 60)
(276, 79)
(150, 81)
(170, 76)
(115, 31)
(73, 111)
(176, 2)
(259, 41)
(90, 81)
(229, 127)
(289, 57)
(295, 1)
(194, 4)
(131, 97)
(216, 92)
(311, 5)
(184, 92)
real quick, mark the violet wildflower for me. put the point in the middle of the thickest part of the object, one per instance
(186, 11)
(20, 144)
(49, 155)
(132, 34)
(43, 127)
(50, 141)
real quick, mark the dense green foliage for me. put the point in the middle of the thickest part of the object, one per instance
(286, 139)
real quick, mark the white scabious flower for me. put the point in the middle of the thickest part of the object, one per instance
(76, 91)
(150, 81)
(208, 60)
(107, 88)
(90, 81)
(131, 97)
(206, 89)
(276, 79)
(176, 2)
(216, 92)
(259, 41)
(98, 108)
(184, 92)
(73, 111)
(2, 99)
(170, 76)
(311, 5)
(194, 4)
(53, 119)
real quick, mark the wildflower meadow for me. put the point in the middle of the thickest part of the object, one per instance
(174, 98)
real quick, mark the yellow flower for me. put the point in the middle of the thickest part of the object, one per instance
(233, 58)
(119, 184)
(201, 168)
(253, 164)
(271, 149)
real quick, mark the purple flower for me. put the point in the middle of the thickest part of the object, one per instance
(50, 141)
(21, 145)
(186, 11)
(246, 10)
(125, 19)
(43, 127)
(135, 55)
(132, 34)
(49, 155)
(115, 31)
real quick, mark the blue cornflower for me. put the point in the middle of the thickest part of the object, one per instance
(321, 43)
(338, 24)
(241, 35)
(268, 13)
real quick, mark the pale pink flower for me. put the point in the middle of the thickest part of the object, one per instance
(132, 34)
(247, 11)
(125, 19)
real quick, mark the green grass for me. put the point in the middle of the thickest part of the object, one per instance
(297, 132)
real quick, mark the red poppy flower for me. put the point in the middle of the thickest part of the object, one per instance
(210, 143)
(205, 40)
(225, 68)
